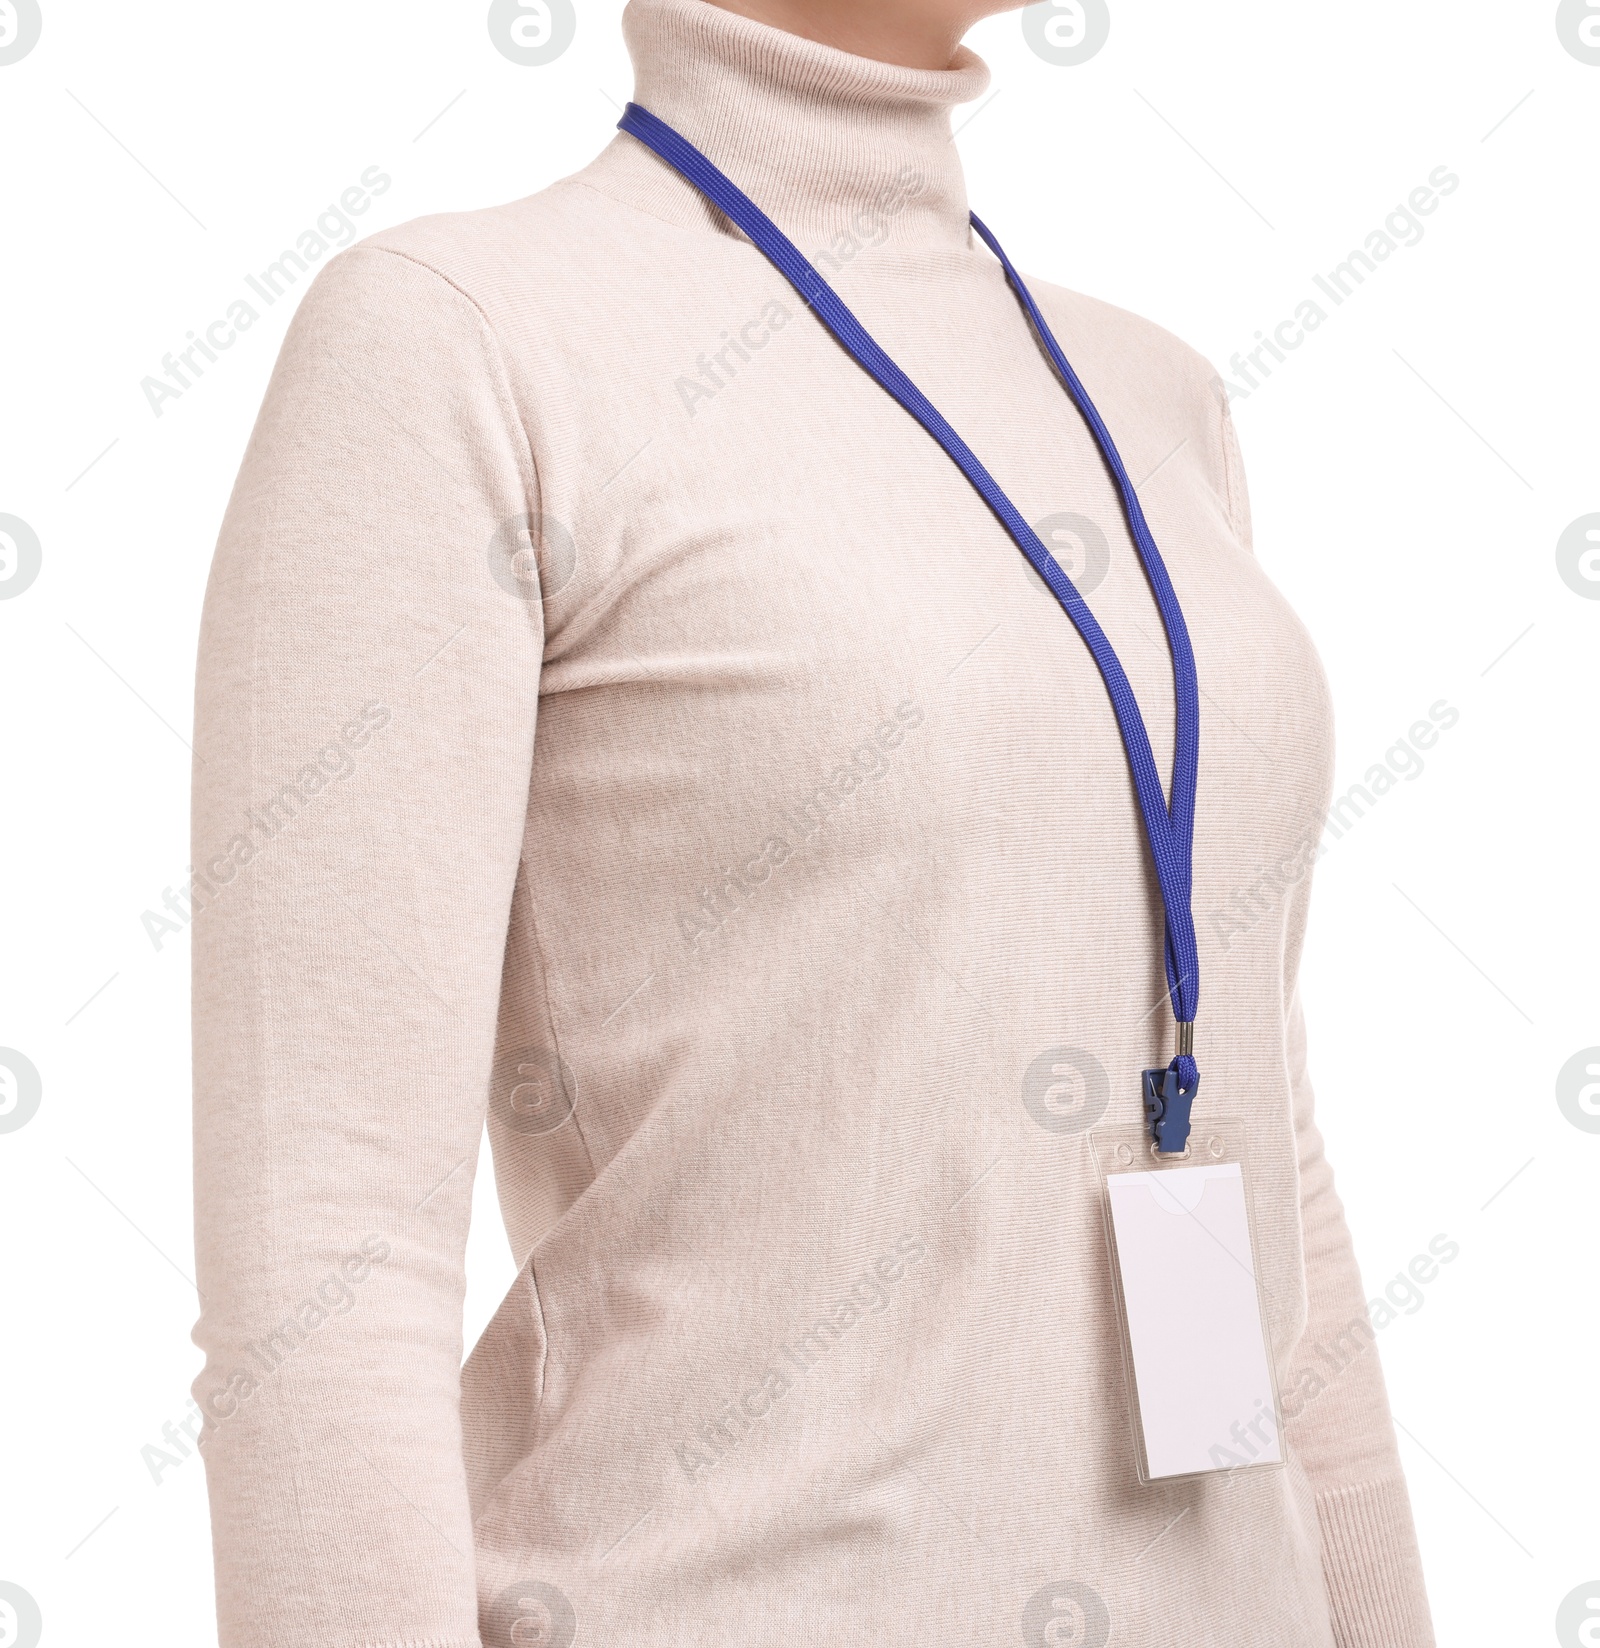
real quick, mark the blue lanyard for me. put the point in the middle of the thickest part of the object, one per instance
(1169, 1093)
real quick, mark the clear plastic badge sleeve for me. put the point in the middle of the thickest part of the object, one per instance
(1200, 1372)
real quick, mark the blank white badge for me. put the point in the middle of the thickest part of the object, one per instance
(1204, 1387)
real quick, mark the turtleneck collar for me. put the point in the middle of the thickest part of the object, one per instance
(818, 138)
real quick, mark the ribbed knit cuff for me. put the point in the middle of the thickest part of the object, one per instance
(1373, 1568)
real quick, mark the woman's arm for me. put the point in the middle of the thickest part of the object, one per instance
(1336, 1411)
(1337, 1416)
(365, 718)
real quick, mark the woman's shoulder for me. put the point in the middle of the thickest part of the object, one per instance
(480, 251)
(1097, 334)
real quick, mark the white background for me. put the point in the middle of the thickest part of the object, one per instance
(1412, 467)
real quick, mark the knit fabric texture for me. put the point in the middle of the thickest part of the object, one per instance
(616, 717)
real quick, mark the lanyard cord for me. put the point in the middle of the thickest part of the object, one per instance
(1169, 831)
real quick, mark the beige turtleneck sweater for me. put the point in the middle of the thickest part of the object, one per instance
(761, 852)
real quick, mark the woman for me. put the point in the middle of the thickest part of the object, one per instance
(613, 703)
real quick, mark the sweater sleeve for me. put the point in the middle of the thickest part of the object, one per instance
(1337, 1417)
(368, 676)
(1336, 1411)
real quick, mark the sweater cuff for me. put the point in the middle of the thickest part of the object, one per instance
(1376, 1595)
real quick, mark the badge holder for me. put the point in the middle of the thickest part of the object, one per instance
(1201, 1391)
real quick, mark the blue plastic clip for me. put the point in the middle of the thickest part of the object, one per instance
(1167, 1103)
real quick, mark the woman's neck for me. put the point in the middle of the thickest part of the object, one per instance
(916, 34)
